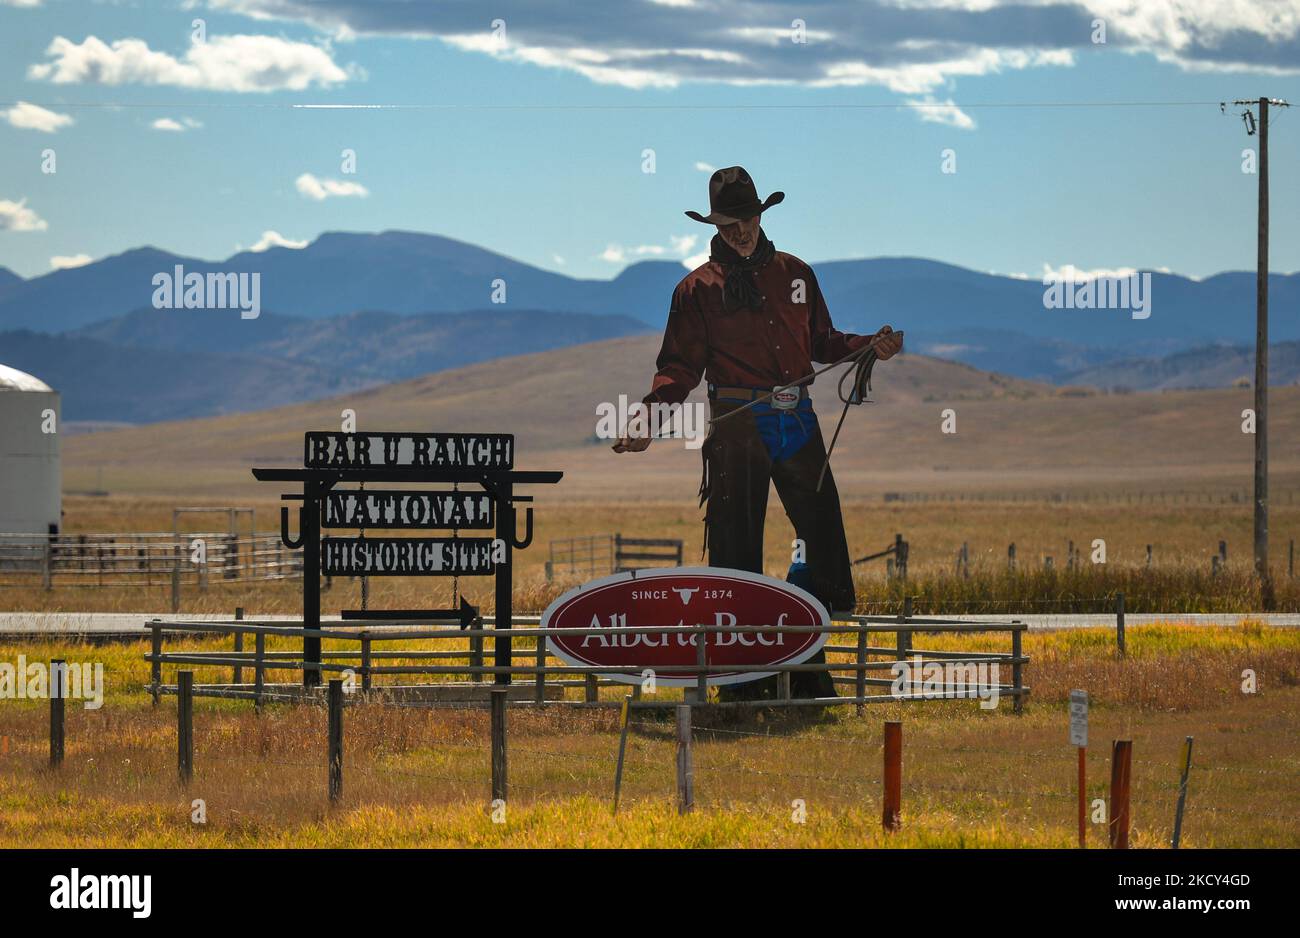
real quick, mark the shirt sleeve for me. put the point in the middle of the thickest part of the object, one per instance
(828, 343)
(683, 355)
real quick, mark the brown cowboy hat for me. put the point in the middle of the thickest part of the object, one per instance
(733, 198)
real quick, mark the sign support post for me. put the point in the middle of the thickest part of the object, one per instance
(1079, 738)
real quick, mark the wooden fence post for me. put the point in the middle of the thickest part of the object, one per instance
(365, 661)
(336, 739)
(1290, 558)
(176, 579)
(1119, 625)
(1011, 556)
(860, 683)
(1017, 669)
(905, 635)
(239, 645)
(185, 725)
(476, 651)
(1184, 771)
(155, 666)
(1121, 768)
(58, 693)
(539, 683)
(259, 679)
(685, 764)
(892, 814)
(1148, 556)
(499, 765)
(701, 663)
(47, 571)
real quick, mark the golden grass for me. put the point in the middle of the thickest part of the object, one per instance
(420, 777)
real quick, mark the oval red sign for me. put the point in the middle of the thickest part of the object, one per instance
(677, 596)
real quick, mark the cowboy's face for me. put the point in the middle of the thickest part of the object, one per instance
(741, 236)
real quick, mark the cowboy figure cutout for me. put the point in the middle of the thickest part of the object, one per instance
(750, 320)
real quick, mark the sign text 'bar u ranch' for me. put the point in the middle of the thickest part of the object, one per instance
(407, 509)
(406, 556)
(334, 450)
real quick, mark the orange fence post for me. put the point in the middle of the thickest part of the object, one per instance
(893, 800)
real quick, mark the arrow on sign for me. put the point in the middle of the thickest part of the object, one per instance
(465, 615)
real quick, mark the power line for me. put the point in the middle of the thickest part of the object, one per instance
(428, 106)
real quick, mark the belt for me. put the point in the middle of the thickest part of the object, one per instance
(747, 394)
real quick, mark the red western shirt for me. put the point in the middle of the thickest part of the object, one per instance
(746, 348)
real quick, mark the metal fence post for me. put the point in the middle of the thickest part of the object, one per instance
(685, 765)
(499, 765)
(58, 692)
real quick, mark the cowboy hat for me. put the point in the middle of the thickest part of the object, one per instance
(733, 198)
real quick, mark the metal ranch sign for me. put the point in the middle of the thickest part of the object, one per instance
(331, 450)
(685, 596)
(407, 556)
(406, 509)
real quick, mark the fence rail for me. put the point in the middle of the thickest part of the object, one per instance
(151, 559)
(544, 682)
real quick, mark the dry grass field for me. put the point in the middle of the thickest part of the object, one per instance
(420, 778)
(1029, 464)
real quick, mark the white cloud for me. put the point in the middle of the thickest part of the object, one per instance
(557, 259)
(222, 63)
(695, 260)
(705, 167)
(20, 3)
(68, 261)
(942, 112)
(34, 117)
(16, 216)
(273, 239)
(678, 245)
(176, 126)
(320, 189)
(1070, 273)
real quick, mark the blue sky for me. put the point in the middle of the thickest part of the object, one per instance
(531, 143)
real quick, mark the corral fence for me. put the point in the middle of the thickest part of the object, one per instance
(150, 559)
(456, 664)
(601, 554)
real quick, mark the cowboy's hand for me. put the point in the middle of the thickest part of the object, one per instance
(888, 343)
(635, 440)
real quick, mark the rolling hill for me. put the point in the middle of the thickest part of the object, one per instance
(175, 364)
(976, 317)
(1011, 434)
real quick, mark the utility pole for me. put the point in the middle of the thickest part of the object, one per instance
(1261, 346)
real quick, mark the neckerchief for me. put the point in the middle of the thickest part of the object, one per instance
(740, 291)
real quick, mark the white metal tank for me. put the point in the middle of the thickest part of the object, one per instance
(31, 495)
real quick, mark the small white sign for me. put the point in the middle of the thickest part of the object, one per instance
(1078, 718)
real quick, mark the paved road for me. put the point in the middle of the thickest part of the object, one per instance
(105, 625)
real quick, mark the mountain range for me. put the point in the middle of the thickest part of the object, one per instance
(355, 309)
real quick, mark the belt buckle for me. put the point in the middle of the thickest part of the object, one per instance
(785, 398)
